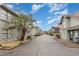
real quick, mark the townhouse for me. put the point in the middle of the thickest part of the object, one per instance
(69, 27)
(5, 17)
(53, 30)
(36, 31)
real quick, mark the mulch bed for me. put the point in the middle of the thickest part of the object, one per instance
(67, 43)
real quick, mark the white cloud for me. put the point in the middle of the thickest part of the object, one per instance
(36, 7)
(54, 19)
(56, 7)
(57, 14)
(23, 12)
(10, 5)
(63, 12)
(51, 21)
(39, 22)
(35, 24)
(48, 17)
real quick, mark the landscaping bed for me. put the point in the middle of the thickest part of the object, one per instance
(67, 43)
(11, 44)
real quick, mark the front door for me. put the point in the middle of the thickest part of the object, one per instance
(71, 35)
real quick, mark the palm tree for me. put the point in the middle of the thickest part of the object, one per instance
(22, 23)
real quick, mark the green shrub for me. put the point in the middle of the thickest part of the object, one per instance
(51, 34)
(29, 37)
(57, 35)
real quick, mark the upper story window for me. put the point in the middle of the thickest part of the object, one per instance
(66, 21)
(68, 17)
(4, 15)
(9, 16)
(3, 11)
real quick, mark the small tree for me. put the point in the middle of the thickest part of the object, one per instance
(22, 23)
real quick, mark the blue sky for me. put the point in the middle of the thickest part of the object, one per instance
(46, 15)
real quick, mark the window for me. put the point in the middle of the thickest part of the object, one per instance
(3, 14)
(4, 35)
(3, 17)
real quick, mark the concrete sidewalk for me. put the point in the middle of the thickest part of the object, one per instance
(67, 43)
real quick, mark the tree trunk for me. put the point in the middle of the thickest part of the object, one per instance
(23, 34)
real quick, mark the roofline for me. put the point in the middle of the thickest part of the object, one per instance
(70, 15)
(8, 9)
(62, 16)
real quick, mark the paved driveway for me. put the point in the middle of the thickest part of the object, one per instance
(43, 45)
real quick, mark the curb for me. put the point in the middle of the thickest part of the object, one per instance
(71, 45)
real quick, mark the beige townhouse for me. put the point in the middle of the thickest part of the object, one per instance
(53, 30)
(69, 27)
(36, 31)
(5, 17)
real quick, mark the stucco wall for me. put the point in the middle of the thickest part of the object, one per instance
(74, 22)
(64, 34)
(34, 31)
(63, 31)
(68, 23)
